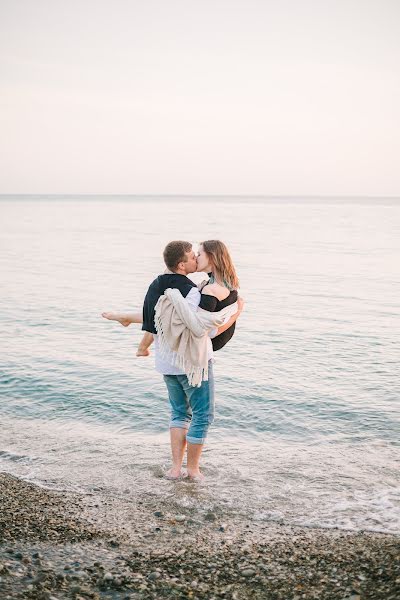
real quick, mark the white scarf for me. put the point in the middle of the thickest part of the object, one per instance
(185, 333)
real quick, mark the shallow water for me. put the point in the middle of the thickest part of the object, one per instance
(307, 425)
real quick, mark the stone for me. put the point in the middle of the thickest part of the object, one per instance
(80, 574)
(210, 516)
(248, 572)
(76, 589)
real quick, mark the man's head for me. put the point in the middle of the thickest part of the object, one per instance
(179, 257)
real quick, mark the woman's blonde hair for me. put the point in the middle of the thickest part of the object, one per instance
(221, 263)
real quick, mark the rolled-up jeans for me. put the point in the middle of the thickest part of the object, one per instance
(192, 408)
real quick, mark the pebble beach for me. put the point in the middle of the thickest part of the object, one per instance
(302, 493)
(56, 545)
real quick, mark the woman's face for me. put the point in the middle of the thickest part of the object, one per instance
(203, 263)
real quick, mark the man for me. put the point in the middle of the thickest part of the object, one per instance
(192, 408)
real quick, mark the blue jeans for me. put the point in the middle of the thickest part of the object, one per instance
(192, 408)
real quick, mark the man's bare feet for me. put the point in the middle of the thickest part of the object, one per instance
(141, 352)
(175, 473)
(120, 317)
(195, 476)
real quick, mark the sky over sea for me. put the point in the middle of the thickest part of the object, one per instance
(211, 97)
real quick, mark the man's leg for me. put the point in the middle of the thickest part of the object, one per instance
(201, 401)
(178, 447)
(181, 415)
(193, 461)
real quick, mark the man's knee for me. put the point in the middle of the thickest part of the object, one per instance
(201, 423)
(180, 420)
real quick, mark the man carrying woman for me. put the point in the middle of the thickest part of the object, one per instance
(192, 404)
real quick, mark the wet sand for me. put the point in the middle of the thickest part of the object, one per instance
(56, 545)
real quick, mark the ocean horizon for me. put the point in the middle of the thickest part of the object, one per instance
(268, 198)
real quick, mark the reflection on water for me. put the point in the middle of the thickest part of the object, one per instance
(307, 391)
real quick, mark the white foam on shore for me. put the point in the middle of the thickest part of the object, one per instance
(309, 485)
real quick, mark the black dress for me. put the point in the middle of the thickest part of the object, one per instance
(212, 304)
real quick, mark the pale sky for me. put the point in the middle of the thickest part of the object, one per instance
(283, 97)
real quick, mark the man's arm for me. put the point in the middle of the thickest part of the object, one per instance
(193, 299)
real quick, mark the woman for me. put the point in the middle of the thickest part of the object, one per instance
(220, 291)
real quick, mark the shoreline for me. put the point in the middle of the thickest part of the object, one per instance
(56, 545)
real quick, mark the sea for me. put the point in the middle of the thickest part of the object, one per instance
(307, 392)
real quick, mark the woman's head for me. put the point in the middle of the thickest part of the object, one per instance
(214, 257)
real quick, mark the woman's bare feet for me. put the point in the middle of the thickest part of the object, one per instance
(120, 317)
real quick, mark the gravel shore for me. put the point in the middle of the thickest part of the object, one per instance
(56, 545)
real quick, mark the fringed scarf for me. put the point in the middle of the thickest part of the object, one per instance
(185, 333)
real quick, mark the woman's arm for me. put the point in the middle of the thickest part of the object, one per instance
(233, 318)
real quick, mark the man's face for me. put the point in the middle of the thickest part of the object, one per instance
(190, 265)
(203, 262)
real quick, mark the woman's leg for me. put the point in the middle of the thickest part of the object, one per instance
(125, 319)
(147, 340)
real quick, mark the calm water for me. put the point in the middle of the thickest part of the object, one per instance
(307, 427)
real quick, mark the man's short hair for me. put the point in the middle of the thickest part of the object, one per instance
(175, 252)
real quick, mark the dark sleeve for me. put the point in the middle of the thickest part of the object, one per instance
(208, 302)
(149, 304)
(223, 338)
(156, 289)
